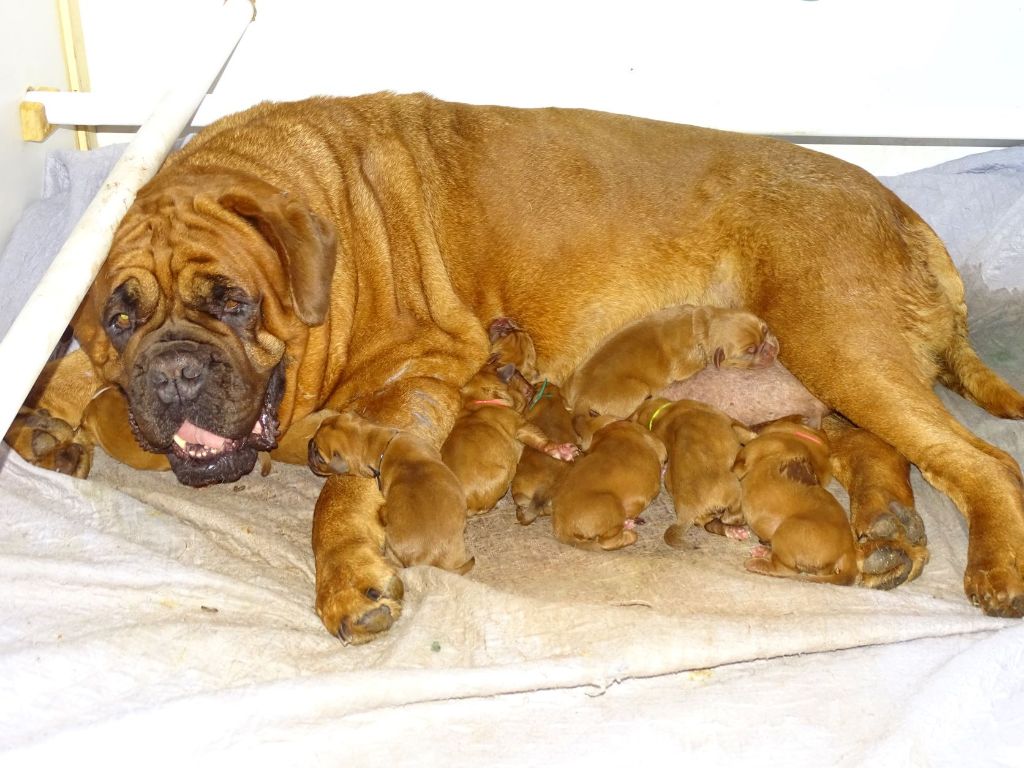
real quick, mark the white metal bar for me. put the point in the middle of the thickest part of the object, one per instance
(38, 328)
(113, 109)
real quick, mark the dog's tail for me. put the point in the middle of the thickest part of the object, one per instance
(960, 368)
(968, 376)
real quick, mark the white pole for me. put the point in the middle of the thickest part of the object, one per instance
(37, 329)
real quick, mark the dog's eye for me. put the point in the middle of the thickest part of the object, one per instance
(232, 306)
(120, 322)
(751, 349)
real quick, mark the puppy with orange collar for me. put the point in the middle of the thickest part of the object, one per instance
(597, 502)
(669, 345)
(490, 431)
(537, 471)
(782, 472)
(702, 444)
(424, 508)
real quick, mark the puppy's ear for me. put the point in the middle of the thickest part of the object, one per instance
(501, 327)
(304, 242)
(739, 467)
(743, 434)
(506, 372)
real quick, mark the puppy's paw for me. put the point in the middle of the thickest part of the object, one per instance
(50, 443)
(735, 532)
(892, 549)
(357, 604)
(997, 588)
(562, 451)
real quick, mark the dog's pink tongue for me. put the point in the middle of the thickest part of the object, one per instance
(190, 433)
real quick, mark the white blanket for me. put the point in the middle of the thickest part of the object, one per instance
(148, 621)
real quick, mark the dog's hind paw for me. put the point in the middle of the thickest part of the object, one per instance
(995, 583)
(893, 549)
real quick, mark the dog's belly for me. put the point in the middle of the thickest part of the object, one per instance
(750, 396)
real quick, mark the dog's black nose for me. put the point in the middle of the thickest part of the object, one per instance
(177, 375)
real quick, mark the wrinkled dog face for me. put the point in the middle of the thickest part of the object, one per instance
(190, 316)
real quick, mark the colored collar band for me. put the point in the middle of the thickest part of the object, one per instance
(380, 463)
(502, 403)
(539, 396)
(808, 436)
(657, 413)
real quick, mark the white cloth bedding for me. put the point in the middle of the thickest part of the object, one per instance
(148, 621)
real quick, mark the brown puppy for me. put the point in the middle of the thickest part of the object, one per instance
(667, 346)
(489, 434)
(702, 444)
(424, 508)
(348, 254)
(783, 471)
(596, 503)
(537, 471)
(511, 344)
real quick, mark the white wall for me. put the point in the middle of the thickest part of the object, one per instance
(30, 55)
(945, 68)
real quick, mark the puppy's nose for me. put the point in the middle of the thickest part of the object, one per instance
(177, 376)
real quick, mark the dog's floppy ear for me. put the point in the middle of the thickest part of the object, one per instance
(304, 242)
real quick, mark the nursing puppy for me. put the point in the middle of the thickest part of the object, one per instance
(490, 431)
(782, 472)
(702, 444)
(511, 344)
(595, 504)
(667, 346)
(537, 472)
(424, 508)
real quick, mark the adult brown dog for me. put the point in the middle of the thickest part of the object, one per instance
(349, 253)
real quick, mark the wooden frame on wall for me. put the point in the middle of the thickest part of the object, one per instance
(75, 62)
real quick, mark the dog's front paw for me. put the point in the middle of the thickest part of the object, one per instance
(50, 443)
(893, 548)
(357, 604)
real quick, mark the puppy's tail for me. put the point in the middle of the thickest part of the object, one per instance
(844, 573)
(539, 506)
